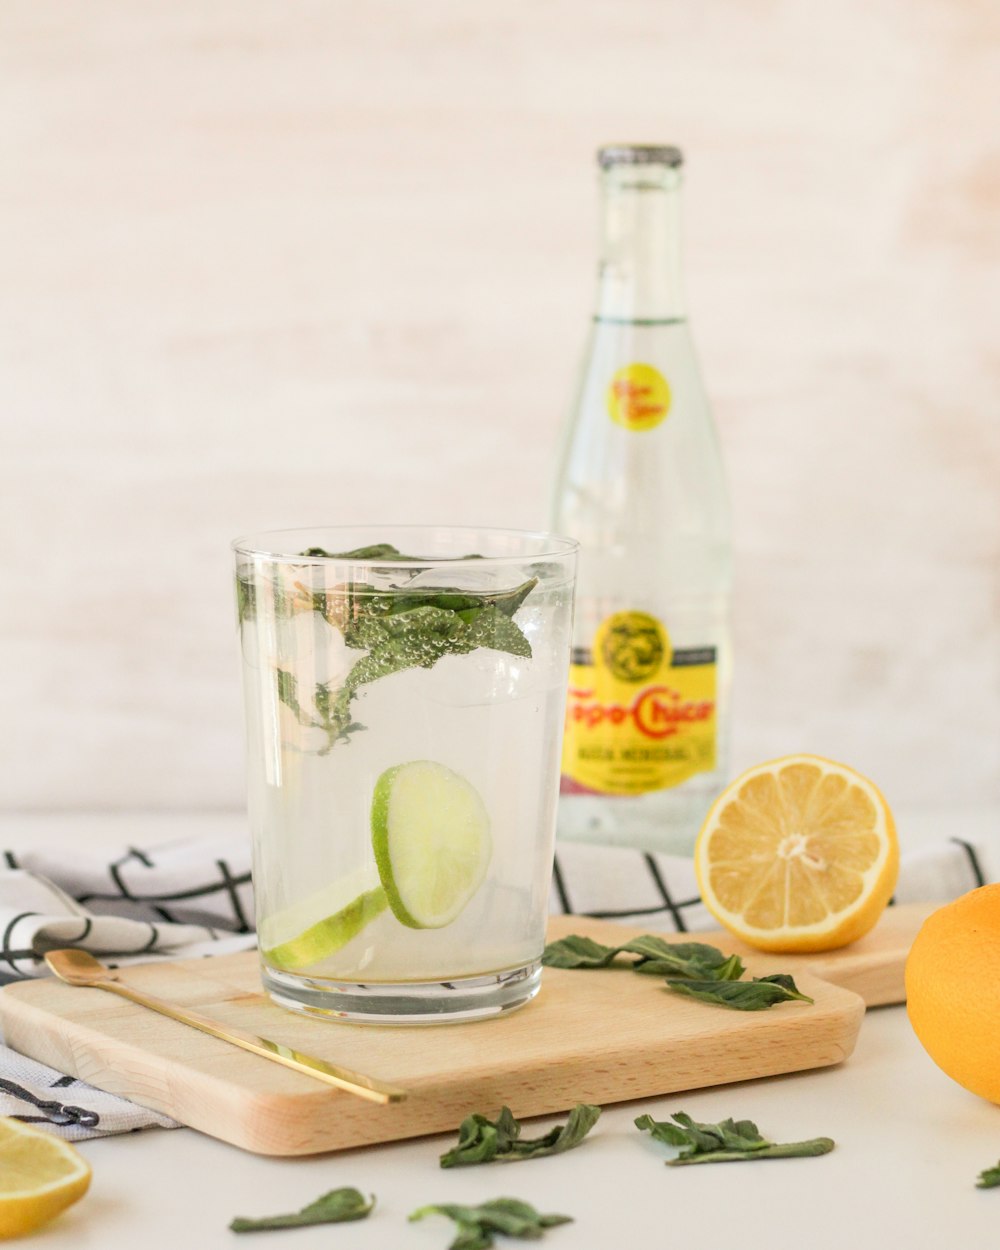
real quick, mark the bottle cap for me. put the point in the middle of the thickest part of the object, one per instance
(639, 154)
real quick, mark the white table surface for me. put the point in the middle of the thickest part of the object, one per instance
(910, 1144)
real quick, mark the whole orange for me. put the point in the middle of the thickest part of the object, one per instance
(953, 989)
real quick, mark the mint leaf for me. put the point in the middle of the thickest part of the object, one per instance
(330, 716)
(418, 635)
(730, 1141)
(476, 1225)
(695, 960)
(398, 627)
(415, 639)
(755, 995)
(577, 951)
(694, 969)
(490, 627)
(375, 551)
(288, 691)
(246, 599)
(989, 1178)
(481, 1140)
(336, 1207)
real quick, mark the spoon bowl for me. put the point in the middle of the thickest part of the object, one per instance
(77, 967)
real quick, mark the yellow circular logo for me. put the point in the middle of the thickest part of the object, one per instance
(633, 646)
(638, 397)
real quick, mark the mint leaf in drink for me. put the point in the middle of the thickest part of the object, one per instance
(288, 692)
(755, 995)
(414, 639)
(481, 1140)
(467, 604)
(374, 551)
(730, 1141)
(476, 1225)
(246, 599)
(329, 716)
(493, 629)
(399, 627)
(989, 1178)
(403, 630)
(336, 1207)
(335, 718)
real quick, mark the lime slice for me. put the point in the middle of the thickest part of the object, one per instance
(431, 835)
(294, 938)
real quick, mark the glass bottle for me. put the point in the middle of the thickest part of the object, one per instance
(641, 487)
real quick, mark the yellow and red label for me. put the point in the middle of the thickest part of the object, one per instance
(638, 397)
(640, 715)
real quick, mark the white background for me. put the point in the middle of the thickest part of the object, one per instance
(281, 262)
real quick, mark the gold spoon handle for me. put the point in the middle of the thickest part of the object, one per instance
(343, 1078)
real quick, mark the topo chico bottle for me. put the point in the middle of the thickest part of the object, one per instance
(641, 487)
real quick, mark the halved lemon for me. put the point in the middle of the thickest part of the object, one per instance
(432, 842)
(799, 854)
(40, 1175)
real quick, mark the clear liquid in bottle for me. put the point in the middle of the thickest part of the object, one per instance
(641, 487)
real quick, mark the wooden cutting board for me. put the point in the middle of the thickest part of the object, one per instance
(596, 1036)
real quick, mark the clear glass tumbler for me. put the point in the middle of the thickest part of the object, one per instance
(405, 691)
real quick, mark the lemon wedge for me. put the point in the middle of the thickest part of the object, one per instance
(40, 1175)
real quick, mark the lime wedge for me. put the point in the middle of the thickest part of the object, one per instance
(294, 938)
(431, 836)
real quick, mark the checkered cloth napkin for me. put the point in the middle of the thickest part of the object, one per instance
(193, 898)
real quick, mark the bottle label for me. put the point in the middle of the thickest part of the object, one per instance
(640, 715)
(638, 397)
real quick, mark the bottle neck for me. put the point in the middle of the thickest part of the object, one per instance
(639, 273)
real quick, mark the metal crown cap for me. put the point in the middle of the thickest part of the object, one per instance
(639, 154)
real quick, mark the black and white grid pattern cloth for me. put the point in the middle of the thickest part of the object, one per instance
(36, 1094)
(661, 892)
(132, 904)
(193, 898)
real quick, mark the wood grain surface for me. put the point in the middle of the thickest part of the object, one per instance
(602, 1036)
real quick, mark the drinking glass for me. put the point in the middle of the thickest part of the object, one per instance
(405, 694)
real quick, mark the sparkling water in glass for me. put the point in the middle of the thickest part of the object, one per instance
(405, 693)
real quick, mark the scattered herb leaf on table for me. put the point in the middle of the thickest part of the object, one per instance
(336, 1207)
(730, 1141)
(481, 1140)
(476, 1225)
(989, 1178)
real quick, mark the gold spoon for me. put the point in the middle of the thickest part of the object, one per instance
(77, 967)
